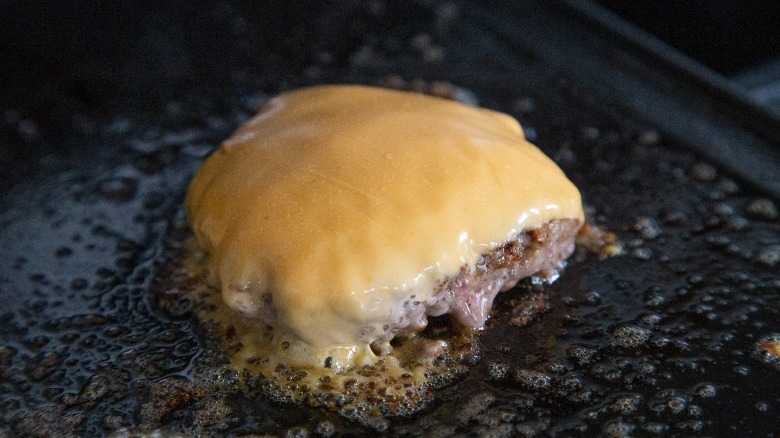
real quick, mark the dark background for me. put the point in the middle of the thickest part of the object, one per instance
(106, 49)
(104, 58)
(729, 36)
(94, 44)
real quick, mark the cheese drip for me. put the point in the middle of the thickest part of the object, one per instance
(333, 206)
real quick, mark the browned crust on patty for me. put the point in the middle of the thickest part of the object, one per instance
(469, 295)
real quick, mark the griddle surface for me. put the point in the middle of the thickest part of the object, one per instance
(664, 339)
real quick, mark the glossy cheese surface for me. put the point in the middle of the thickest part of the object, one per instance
(333, 206)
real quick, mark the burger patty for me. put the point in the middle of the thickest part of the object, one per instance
(342, 215)
(469, 295)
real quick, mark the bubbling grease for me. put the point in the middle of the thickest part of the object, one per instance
(336, 205)
(398, 383)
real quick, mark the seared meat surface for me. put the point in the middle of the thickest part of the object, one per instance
(469, 296)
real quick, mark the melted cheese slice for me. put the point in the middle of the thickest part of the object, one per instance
(339, 203)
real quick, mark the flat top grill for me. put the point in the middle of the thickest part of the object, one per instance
(673, 337)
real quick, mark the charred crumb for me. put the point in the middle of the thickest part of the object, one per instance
(498, 371)
(630, 336)
(767, 350)
(528, 308)
(769, 256)
(597, 240)
(762, 208)
(580, 354)
(647, 227)
(532, 380)
(703, 172)
(443, 89)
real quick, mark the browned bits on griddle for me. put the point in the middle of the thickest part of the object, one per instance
(675, 218)
(737, 223)
(474, 406)
(532, 379)
(424, 44)
(498, 371)
(38, 341)
(97, 387)
(728, 186)
(113, 421)
(392, 81)
(618, 429)
(446, 14)
(43, 365)
(7, 353)
(703, 172)
(581, 355)
(524, 105)
(599, 241)
(647, 227)
(626, 404)
(528, 308)
(170, 394)
(442, 89)
(762, 208)
(445, 90)
(769, 257)
(706, 390)
(630, 336)
(50, 421)
(648, 137)
(767, 350)
(325, 429)
(297, 432)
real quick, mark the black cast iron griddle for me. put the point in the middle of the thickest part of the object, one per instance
(665, 340)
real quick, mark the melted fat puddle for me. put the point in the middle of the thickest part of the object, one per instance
(393, 384)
